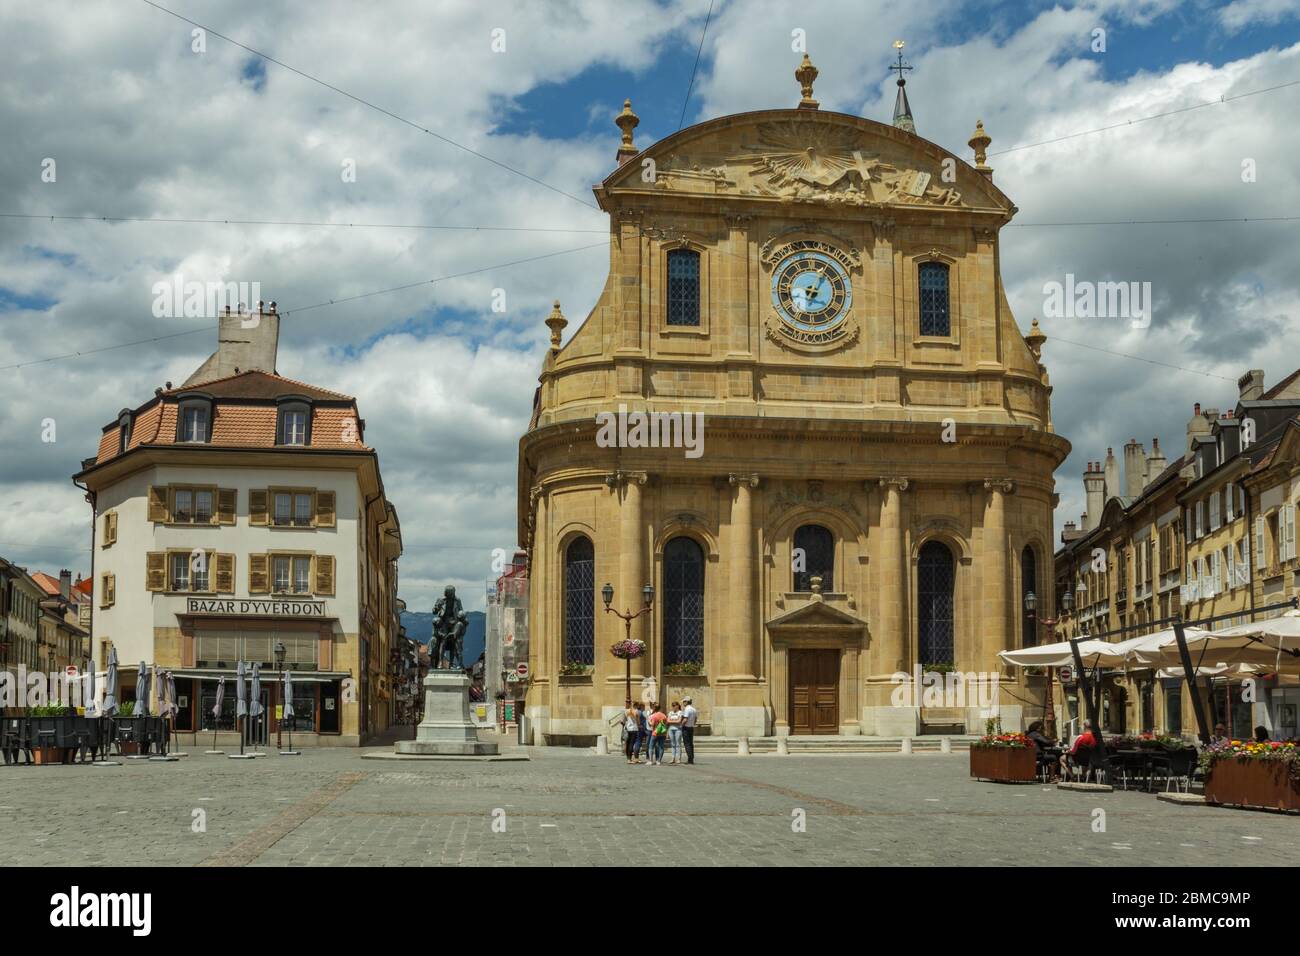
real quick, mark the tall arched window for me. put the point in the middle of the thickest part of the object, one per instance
(1029, 582)
(683, 602)
(933, 279)
(580, 602)
(814, 556)
(934, 589)
(683, 287)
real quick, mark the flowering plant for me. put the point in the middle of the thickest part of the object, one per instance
(1285, 752)
(1003, 740)
(628, 650)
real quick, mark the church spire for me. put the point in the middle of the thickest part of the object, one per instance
(902, 108)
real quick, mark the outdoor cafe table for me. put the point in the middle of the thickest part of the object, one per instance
(1143, 760)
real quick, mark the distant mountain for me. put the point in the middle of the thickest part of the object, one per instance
(419, 627)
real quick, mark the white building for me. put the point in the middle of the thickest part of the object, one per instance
(239, 512)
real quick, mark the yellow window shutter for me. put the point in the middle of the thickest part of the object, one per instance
(158, 503)
(257, 574)
(155, 571)
(112, 588)
(323, 565)
(224, 573)
(225, 506)
(324, 509)
(257, 507)
(113, 527)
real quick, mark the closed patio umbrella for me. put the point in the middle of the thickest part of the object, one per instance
(110, 685)
(216, 712)
(142, 689)
(241, 704)
(255, 701)
(286, 712)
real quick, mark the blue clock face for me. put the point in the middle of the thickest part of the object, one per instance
(811, 291)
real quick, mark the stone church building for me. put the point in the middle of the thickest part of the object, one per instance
(872, 485)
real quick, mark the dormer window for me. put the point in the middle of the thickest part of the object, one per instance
(123, 430)
(293, 424)
(194, 420)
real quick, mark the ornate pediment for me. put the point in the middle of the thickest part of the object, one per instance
(817, 615)
(820, 160)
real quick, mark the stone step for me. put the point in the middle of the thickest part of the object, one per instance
(820, 744)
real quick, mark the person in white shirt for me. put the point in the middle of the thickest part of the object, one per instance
(689, 716)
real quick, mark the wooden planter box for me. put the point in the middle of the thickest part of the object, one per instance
(1261, 784)
(1003, 764)
(47, 755)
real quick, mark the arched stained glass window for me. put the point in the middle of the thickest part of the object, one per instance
(934, 588)
(814, 556)
(580, 602)
(935, 319)
(683, 599)
(1028, 582)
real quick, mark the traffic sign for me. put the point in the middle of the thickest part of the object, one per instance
(1066, 674)
(522, 668)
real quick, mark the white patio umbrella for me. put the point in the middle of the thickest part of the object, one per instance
(216, 713)
(255, 699)
(89, 702)
(241, 704)
(142, 691)
(110, 685)
(1273, 644)
(286, 712)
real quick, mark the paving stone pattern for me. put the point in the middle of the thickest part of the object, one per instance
(569, 807)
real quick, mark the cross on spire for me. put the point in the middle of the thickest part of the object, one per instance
(902, 108)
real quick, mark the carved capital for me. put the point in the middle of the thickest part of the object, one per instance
(616, 479)
(735, 479)
(1004, 485)
(899, 483)
(737, 220)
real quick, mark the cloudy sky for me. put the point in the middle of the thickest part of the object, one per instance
(141, 125)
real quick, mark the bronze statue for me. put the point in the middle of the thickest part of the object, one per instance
(449, 625)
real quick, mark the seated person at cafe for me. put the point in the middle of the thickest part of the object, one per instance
(1042, 745)
(1220, 734)
(1261, 734)
(1081, 752)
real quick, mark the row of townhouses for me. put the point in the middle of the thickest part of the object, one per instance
(44, 621)
(1208, 534)
(241, 516)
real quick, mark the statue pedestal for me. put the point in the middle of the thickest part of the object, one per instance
(446, 730)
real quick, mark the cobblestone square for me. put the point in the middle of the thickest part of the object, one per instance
(329, 807)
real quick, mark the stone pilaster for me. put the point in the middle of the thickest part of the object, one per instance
(740, 708)
(993, 633)
(890, 626)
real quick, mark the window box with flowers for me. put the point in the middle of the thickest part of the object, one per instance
(684, 669)
(575, 672)
(1262, 776)
(1002, 757)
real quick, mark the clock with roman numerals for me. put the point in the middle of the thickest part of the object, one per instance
(811, 291)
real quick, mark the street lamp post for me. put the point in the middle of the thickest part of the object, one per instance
(1067, 605)
(279, 723)
(648, 593)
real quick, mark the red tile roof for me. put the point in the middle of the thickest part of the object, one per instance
(244, 416)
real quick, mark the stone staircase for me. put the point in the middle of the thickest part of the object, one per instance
(828, 744)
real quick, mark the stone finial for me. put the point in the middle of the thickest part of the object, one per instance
(807, 75)
(556, 323)
(979, 141)
(815, 582)
(627, 121)
(1035, 340)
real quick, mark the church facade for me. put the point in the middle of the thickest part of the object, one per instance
(802, 413)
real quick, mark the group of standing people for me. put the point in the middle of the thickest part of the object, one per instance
(647, 730)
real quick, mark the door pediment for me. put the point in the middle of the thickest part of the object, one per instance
(816, 619)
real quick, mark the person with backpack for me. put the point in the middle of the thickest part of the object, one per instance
(658, 722)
